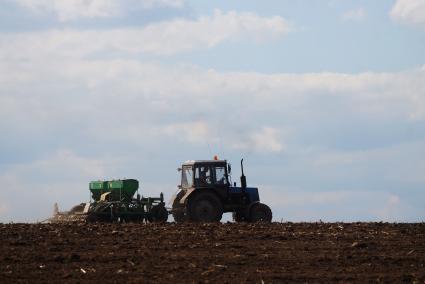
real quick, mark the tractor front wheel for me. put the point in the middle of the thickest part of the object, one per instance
(260, 212)
(205, 207)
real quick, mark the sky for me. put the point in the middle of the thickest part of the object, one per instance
(325, 101)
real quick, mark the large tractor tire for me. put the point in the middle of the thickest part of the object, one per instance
(205, 207)
(260, 212)
(158, 214)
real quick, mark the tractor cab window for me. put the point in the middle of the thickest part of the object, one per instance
(220, 175)
(187, 177)
(203, 176)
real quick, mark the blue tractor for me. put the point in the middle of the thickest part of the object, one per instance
(206, 192)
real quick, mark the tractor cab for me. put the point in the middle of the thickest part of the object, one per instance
(204, 174)
(206, 192)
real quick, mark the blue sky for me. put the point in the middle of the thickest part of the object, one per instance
(325, 100)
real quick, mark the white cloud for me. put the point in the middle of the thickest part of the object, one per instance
(267, 140)
(66, 93)
(354, 15)
(392, 208)
(336, 206)
(281, 197)
(68, 103)
(401, 160)
(162, 3)
(113, 107)
(69, 10)
(409, 11)
(164, 38)
(264, 140)
(38, 95)
(30, 189)
(29, 92)
(66, 160)
(193, 132)
(62, 162)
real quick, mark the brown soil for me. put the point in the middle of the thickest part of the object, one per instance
(218, 253)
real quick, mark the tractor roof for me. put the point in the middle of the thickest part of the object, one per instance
(194, 162)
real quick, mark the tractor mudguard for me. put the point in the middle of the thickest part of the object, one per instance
(174, 199)
(186, 196)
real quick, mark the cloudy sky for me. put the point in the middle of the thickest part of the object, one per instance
(325, 100)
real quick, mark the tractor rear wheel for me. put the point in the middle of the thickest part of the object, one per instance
(260, 212)
(178, 210)
(178, 216)
(205, 207)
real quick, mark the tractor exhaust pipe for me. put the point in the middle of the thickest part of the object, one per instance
(243, 177)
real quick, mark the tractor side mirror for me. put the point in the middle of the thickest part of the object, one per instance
(179, 169)
(229, 168)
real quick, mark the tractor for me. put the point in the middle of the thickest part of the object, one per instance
(206, 192)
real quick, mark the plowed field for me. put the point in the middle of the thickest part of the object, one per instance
(217, 253)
